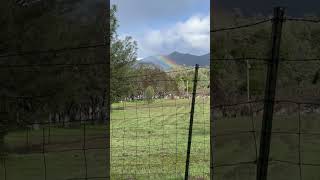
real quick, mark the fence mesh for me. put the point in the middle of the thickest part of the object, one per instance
(149, 139)
(59, 148)
(53, 133)
(149, 136)
(237, 117)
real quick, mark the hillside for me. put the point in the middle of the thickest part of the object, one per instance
(176, 58)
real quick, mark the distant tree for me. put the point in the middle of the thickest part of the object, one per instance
(203, 81)
(150, 75)
(149, 94)
(181, 87)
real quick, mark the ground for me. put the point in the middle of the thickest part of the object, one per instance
(149, 141)
(154, 145)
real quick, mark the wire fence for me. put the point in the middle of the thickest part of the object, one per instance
(237, 122)
(55, 134)
(61, 130)
(293, 137)
(149, 139)
(149, 136)
(59, 148)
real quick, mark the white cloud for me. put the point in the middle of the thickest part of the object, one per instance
(191, 36)
(139, 11)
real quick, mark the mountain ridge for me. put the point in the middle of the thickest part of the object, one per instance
(176, 58)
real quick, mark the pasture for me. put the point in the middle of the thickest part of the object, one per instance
(149, 141)
(154, 145)
(294, 145)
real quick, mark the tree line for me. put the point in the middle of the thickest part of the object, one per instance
(297, 80)
(36, 92)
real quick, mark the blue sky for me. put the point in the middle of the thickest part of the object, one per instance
(164, 26)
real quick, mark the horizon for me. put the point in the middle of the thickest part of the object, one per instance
(139, 58)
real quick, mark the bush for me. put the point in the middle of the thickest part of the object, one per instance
(149, 94)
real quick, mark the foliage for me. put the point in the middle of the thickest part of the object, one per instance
(36, 91)
(149, 75)
(149, 94)
(299, 41)
(123, 56)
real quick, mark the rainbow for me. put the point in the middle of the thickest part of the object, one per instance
(165, 61)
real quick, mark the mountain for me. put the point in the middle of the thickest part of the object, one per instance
(176, 58)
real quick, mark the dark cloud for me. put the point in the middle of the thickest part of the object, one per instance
(294, 7)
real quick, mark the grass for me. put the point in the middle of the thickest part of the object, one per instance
(149, 141)
(233, 148)
(150, 146)
(64, 157)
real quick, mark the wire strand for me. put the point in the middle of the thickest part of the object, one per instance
(242, 26)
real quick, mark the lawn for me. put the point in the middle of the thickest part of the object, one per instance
(148, 141)
(235, 146)
(63, 157)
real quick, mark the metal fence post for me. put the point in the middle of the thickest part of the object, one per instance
(107, 99)
(265, 138)
(191, 120)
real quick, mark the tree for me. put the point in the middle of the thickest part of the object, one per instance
(204, 81)
(149, 94)
(150, 75)
(295, 79)
(181, 87)
(123, 56)
(41, 26)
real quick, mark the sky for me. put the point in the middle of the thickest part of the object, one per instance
(161, 27)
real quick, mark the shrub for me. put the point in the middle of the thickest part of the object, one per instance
(149, 94)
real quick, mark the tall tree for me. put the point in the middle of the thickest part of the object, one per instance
(31, 26)
(123, 56)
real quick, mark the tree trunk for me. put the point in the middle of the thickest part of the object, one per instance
(66, 121)
(4, 125)
(2, 144)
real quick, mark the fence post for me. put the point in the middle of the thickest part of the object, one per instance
(212, 70)
(3, 131)
(107, 97)
(265, 138)
(191, 120)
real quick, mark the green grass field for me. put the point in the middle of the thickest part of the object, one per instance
(151, 146)
(64, 158)
(235, 144)
(150, 142)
